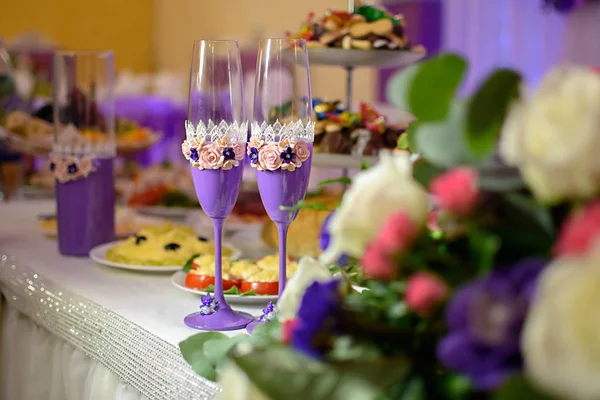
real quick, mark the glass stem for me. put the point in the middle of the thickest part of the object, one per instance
(282, 230)
(218, 233)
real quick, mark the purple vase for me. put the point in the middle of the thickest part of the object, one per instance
(217, 191)
(85, 210)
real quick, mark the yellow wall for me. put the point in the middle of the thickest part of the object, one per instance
(125, 26)
(180, 22)
(157, 35)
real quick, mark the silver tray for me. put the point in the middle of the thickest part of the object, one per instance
(363, 58)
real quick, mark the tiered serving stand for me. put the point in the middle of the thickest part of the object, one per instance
(350, 59)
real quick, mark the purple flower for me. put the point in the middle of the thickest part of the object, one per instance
(72, 168)
(268, 312)
(228, 153)
(564, 6)
(317, 318)
(194, 154)
(52, 166)
(253, 155)
(287, 155)
(209, 305)
(325, 238)
(485, 319)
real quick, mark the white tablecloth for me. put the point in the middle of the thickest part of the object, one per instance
(129, 322)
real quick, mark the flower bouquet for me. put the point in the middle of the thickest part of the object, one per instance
(484, 296)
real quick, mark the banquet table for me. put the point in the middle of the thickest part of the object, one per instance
(74, 330)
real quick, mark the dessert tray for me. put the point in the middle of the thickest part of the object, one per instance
(350, 58)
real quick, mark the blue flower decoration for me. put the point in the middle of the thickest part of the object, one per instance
(317, 318)
(194, 155)
(209, 305)
(253, 156)
(72, 168)
(52, 166)
(287, 155)
(228, 153)
(325, 238)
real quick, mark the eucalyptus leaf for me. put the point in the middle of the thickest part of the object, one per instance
(215, 350)
(402, 143)
(192, 350)
(399, 85)
(414, 389)
(424, 172)
(411, 135)
(487, 110)
(434, 86)
(529, 207)
(443, 143)
(300, 377)
(518, 388)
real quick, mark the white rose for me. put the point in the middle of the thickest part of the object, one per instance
(561, 337)
(375, 193)
(237, 386)
(309, 271)
(553, 137)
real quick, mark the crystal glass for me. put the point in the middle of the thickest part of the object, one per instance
(84, 149)
(215, 146)
(282, 133)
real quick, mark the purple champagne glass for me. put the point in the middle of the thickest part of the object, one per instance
(83, 167)
(215, 145)
(281, 137)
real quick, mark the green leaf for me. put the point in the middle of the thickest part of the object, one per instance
(399, 86)
(518, 388)
(424, 172)
(303, 205)
(215, 350)
(410, 134)
(192, 350)
(343, 180)
(300, 377)
(232, 290)
(414, 390)
(539, 214)
(443, 143)
(402, 143)
(188, 264)
(434, 86)
(483, 247)
(488, 108)
(364, 164)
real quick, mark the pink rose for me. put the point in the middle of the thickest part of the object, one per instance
(60, 171)
(238, 149)
(302, 151)
(397, 233)
(185, 149)
(85, 165)
(210, 156)
(268, 158)
(456, 191)
(579, 231)
(424, 292)
(377, 262)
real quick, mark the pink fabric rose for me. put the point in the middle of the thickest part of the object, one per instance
(60, 171)
(268, 158)
(424, 292)
(397, 233)
(85, 165)
(302, 151)
(579, 232)
(185, 149)
(210, 156)
(238, 149)
(377, 262)
(456, 191)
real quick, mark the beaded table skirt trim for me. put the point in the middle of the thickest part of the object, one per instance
(152, 366)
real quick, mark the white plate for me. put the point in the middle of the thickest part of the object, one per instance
(178, 279)
(98, 254)
(363, 58)
(164, 212)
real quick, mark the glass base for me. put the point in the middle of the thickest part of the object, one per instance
(222, 320)
(253, 325)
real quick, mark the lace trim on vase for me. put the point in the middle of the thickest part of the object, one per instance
(211, 132)
(278, 132)
(70, 142)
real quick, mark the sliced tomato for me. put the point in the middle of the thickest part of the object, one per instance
(271, 288)
(196, 281)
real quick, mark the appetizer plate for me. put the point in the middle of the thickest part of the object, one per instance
(98, 254)
(178, 279)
